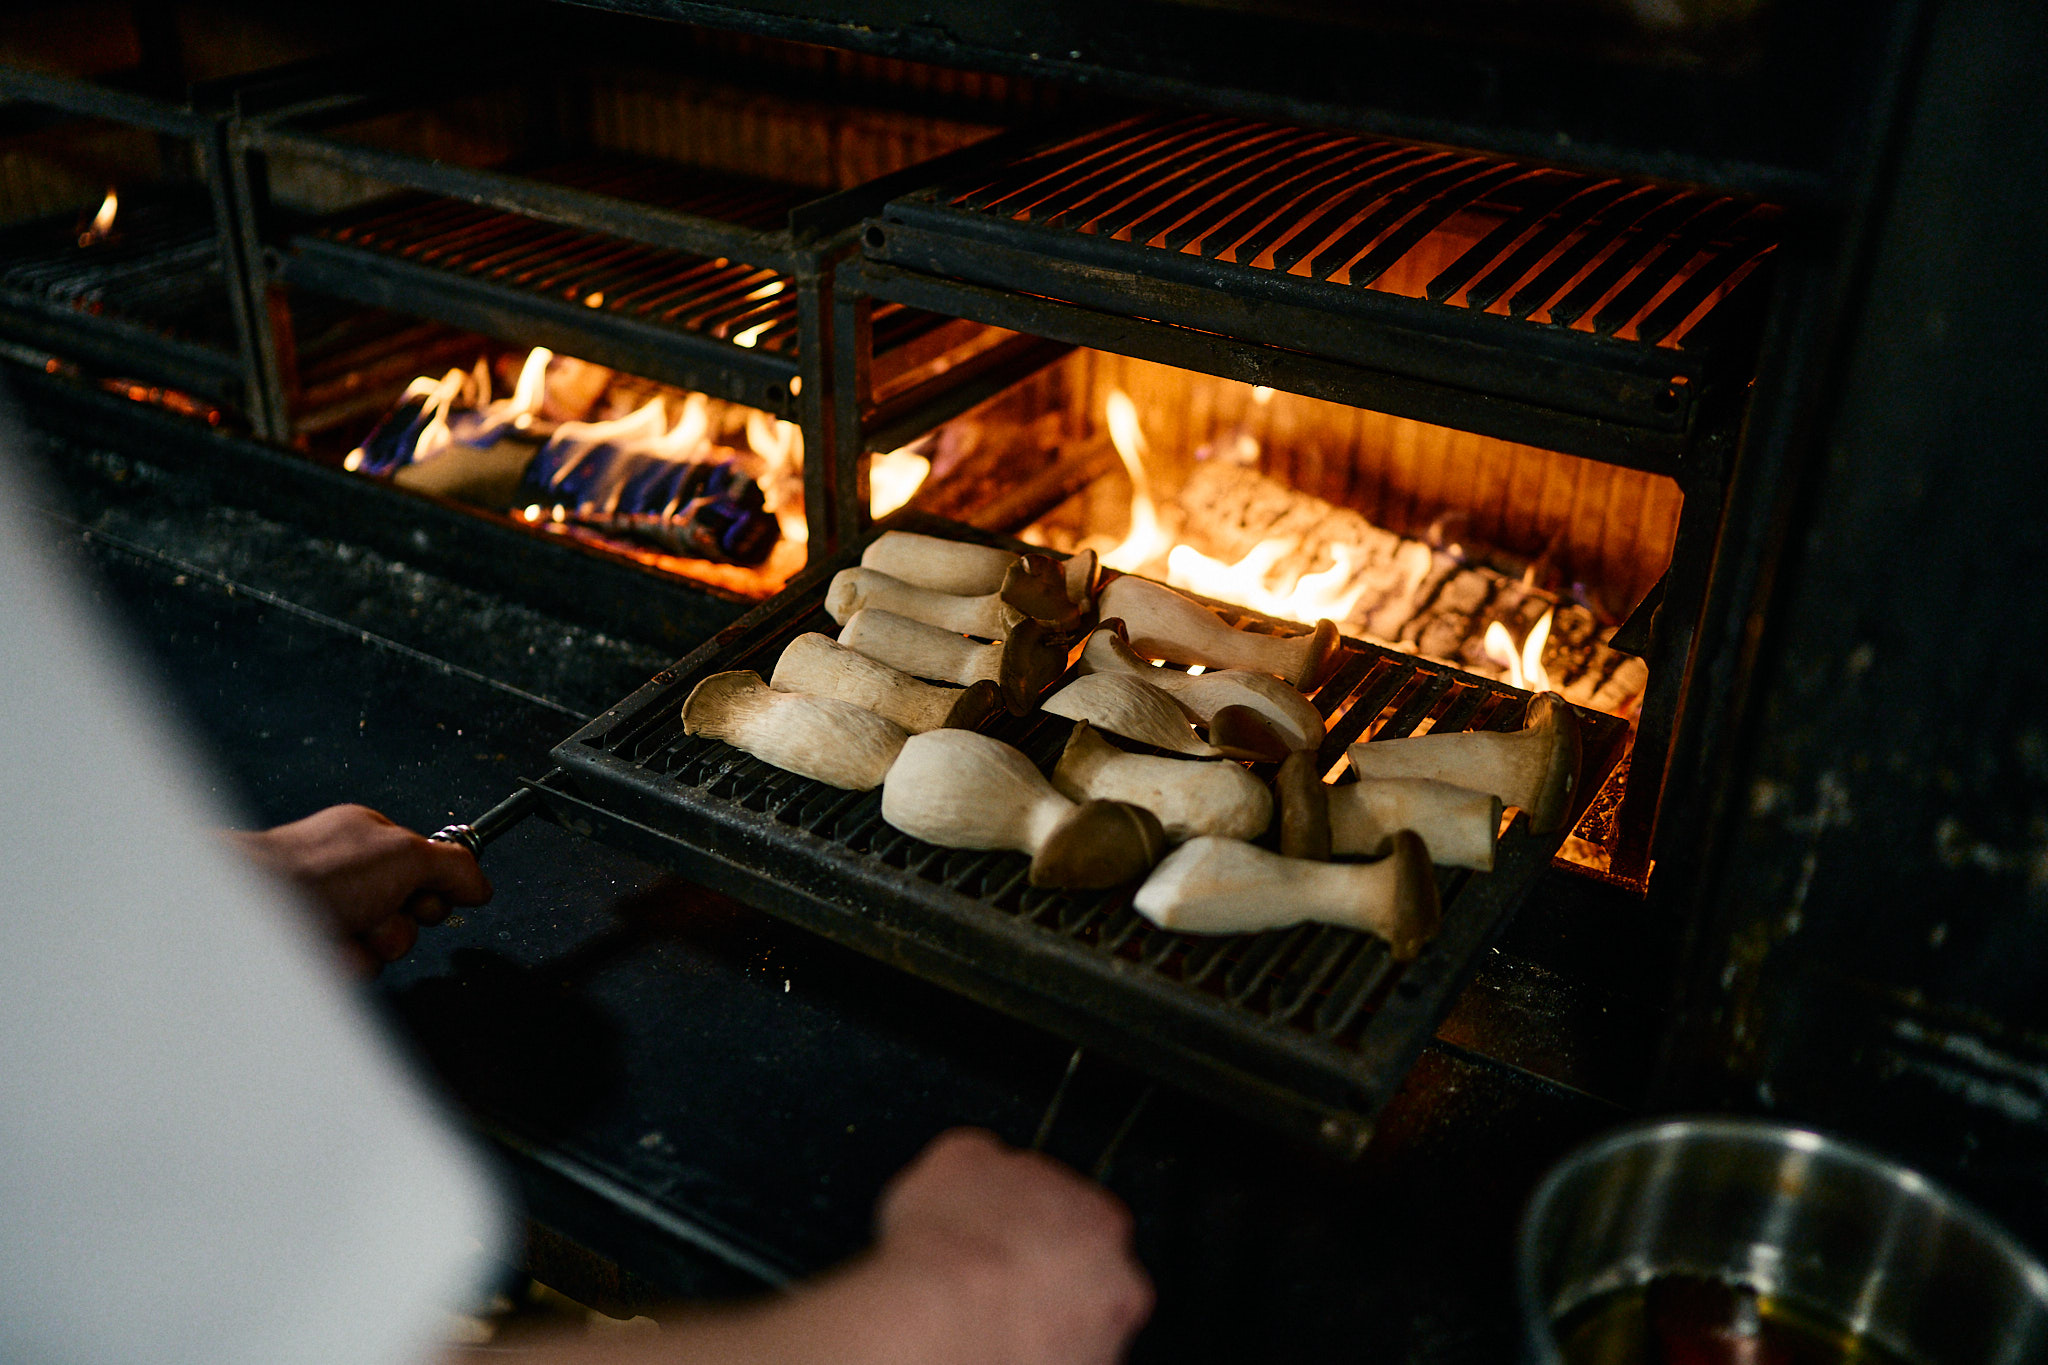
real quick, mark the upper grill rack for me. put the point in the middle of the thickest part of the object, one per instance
(1313, 1026)
(1628, 260)
(749, 306)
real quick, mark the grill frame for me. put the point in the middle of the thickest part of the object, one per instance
(128, 347)
(810, 235)
(860, 883)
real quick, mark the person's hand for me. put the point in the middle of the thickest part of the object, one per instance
(375, 882)
(1035, 1260)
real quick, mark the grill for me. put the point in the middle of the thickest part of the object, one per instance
(1347, 210)
(1312, 1027)
(159, 301)
(1594, 314)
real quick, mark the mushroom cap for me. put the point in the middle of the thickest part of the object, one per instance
(1101, 844)
(1241, 732)
(975, 704)
(1080, 576)
(1033, 659)
(1304, 808)
(1324, 641)
(712, 699)
(1036, 585)
(1551, 713)
(1418, 910)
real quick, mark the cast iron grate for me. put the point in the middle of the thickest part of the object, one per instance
(1621, 259)
(1312, 1025)
(751, 306)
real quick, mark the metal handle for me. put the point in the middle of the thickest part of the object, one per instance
(493, 822)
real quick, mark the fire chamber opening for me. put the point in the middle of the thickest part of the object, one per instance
(1508, 561)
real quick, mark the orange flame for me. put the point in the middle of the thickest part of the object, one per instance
(1145, 541)
(1525, 666)
(893, 478)
(103, 221)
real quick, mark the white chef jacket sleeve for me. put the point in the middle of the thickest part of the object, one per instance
(208, 1152)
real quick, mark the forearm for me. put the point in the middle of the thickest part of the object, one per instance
(868, 1313)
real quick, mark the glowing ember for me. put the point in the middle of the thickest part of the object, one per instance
(751, 335)
(1146, 540)
(893, 478)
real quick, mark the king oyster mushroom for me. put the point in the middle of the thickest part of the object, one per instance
(1131, 707)
(1189, 796)
(1162, 624)
(1536, 767)
(820, 666)
(1225, 886)
(1032, 589)
(832, 741)
(1021, 667)
(1317, 819)
(968, 570)
(959, 789)
(1292, 715)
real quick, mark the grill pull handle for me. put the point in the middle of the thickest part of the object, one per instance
(493, 822)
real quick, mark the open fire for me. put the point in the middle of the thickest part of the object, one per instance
(1236, 533)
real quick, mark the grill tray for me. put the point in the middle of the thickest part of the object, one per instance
(1312, 1027)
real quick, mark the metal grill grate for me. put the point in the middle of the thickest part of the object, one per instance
(1311, 1023)
(1638, 262)
(751, 306)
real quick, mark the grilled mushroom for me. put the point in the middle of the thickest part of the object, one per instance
(1021, 667)
(1225, 886)
(1317, 819)
(832, 741)
(1536, 767)
(1190, 796)
(1133, 708)
(1296, 719)
(1162, 624)
(821, 667)
(956, 566)
(986, 615)
(958, 789)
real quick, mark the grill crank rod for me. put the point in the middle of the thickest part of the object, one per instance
(1099, 1172)
(493, 822)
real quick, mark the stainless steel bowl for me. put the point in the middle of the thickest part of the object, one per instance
(1844, 1233)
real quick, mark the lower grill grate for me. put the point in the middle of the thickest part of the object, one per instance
(1313, 1025)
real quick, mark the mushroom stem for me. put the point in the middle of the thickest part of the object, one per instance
(820, 666)
(958, 789)
(1190, 797)
(950, 566)
(1459, 825)
(852, 590)
(1021, 667)
(962, 568)
(1224, 886)
(1292, 715)
(1535, 768)
(1165, 625)
(823, 738)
